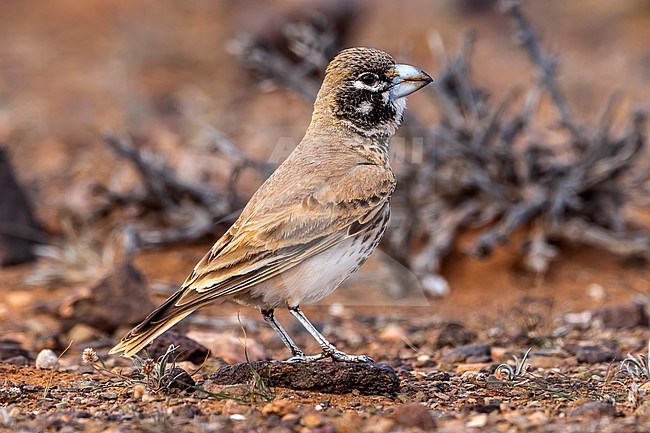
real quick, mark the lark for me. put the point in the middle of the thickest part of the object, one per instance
(317, 218)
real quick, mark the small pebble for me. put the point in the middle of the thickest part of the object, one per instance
(477, 421)
(82, 333)
(46, 359)
(18, 299)
(139, 391)
(109, 395)
(414, 415)
(311, 420)
(15, 412)
(393, 333)
(281, 407)
(594, 410)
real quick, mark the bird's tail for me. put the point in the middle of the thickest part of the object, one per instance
(163, 318)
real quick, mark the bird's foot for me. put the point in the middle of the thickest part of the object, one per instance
(306, 358)
(337, 355)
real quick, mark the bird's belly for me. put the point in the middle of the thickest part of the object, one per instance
(316, 277)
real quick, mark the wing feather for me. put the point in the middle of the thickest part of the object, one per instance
(268, 240)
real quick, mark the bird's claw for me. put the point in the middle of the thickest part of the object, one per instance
(306, 358)
(337, 355)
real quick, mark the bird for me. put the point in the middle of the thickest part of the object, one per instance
(317, 218)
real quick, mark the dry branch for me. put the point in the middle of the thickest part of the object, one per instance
(482, 167)
(189, 211)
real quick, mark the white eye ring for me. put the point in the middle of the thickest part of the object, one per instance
(368, 81)
(368, 78)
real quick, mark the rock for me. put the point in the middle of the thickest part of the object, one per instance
(81, 333)
(593, 354)
(481, 408)
(179, 379)
(454, 334)
(187, 411)
(596, 292)
(46, 359)
(189, 350)
(327, 377)
(10, 349)
(139, 390)
(311, 419)
(582, 319)
(473, 367)
(393, 333)
(478, 353)
(280, 407)
(414, 415)
(541, 361)
(108, 395)
(18, 360)
(477, 421)
(624, 316)
(119, 298)
(17, 244)
(9, 394)
(438, 376)
(643, 410)
(19, 299)
(500, 354)
(594, 409)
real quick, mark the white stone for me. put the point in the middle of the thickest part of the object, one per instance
(46, 359)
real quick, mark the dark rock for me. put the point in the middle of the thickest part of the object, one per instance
(414, 415)
(328, 377)
(594, 409)
(187, 411)
(470, 7)
(9, 394)
(593, 354)
(10, 349)
(478, 359)
(177, 378)
(477, 353)
(439, 376)
(454, 334)
(119, 299)
(77, 414)
(624, 316)
(189, 350)
(481, 408)
(20, 230)
(19, 360)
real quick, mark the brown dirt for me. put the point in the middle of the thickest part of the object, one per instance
(70, 69)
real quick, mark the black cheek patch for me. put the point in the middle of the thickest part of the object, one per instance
(350, 100)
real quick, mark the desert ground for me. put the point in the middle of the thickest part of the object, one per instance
(543, 328)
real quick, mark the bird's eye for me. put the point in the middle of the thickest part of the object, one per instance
(368, 78)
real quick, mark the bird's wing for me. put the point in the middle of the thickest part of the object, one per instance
(266, 241)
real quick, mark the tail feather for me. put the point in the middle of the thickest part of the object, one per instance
(159, 321)
(133, 343)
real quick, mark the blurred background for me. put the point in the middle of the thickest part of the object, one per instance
(136, 130)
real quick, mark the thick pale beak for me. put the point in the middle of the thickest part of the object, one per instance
(408, 80)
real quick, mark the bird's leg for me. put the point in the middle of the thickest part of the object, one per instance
(269, 317)
(328, 348)
(298, 355)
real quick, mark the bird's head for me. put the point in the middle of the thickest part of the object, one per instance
(365, 90)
